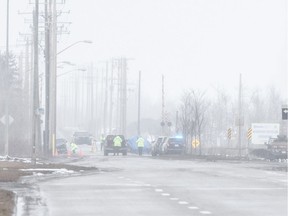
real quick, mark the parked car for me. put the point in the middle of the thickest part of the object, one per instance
(82, 137)
(61, 146)
(173, 145)
(109, 145)
(157, 145)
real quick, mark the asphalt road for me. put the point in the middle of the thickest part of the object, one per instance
(133, 185)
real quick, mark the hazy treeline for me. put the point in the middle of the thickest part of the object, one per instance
(15, 94)
(208, 119)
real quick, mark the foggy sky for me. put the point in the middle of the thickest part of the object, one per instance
(194, 44)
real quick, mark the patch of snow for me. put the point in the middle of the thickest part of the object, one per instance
(54, 171)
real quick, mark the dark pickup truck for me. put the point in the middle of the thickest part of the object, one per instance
(82, 137)
(109, 145)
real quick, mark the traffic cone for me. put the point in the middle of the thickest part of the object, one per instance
(92, 148)
(80, 153)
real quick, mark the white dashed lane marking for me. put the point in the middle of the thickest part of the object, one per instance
(174, 198)
(183, 202)
(165, 194)
(193, 207)
(205, 212)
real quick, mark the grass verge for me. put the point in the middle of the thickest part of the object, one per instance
(11, 171)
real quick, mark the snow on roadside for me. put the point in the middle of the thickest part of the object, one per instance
(7, 158)
(53, 171)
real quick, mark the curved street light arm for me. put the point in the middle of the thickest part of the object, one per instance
(70, 71)
(84, 41)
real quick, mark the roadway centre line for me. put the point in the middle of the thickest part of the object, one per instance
(165, 194)
(183, 203)
(193, 207)
(276, 188)
(174, 198)
(205, 212)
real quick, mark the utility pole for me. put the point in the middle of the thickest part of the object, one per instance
(96, 102)
(163, 107)
(139, 103)
(240, 120)
(106, 99)
(53, 78)
(111, 98)
(92, 128)
(123, 99)
(47, 79)
(36, 121)
(7, 86)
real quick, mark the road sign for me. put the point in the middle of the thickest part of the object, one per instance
(284, 113)
(229, 132)
(195, 143)
(10, 120)
(262, 132)
(249, 134)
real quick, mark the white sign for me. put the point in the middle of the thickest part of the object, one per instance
(262, 132)
(10, 120)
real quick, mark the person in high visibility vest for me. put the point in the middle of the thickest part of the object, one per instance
(117, 141)
(74, 147)
(140, 143)
(102, 139)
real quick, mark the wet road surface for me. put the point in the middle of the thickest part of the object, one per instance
(135, 185)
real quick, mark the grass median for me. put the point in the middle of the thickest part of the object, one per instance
(11, 171)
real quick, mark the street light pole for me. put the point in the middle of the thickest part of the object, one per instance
(7, 86)
(52, 85)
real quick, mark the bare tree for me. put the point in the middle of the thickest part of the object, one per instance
(192, 116)
(200, 106)
(185, 116)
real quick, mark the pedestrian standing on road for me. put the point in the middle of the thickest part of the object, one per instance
(140, 143)
(93, 145)
(102, 139)
(74, 147)
(117, 141)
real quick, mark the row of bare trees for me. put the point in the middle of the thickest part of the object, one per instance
(207, 120)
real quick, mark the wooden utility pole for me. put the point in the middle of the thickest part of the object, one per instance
(105, 99)
(36, 114)
(111, 98)
(163, 108)
(47, 78)
(53, 75)
(139, 104)
(240, 119)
